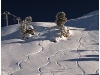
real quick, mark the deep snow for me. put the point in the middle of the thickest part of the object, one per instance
(76, 55)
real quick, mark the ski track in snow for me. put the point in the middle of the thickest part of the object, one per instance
(27, 57)
(97, 70)
(48, 59)
(77, 63)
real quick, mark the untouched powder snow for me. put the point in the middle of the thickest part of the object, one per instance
(76, 55)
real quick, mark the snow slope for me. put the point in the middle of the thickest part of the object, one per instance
(76, 55)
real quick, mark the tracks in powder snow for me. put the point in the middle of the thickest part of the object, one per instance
(27, 57)
(97, 70)
(77, 63)
(48, 60)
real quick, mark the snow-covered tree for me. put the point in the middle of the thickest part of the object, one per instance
(29, 31)
(26, 30)
(60, 21)
(28, 19)
(63, 31)
(23, 29)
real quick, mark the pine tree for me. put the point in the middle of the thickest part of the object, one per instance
(28, 19)
(23, 28)
(26, 30)
(60, 21)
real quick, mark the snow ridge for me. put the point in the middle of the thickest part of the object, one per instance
(84, 17)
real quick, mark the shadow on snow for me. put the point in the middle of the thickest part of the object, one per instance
(86, 58)
(48, 33)
(89, 74)
(82, 50)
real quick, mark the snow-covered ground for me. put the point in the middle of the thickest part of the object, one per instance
(76, 55)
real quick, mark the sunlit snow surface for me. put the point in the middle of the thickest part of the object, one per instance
(76, 55)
